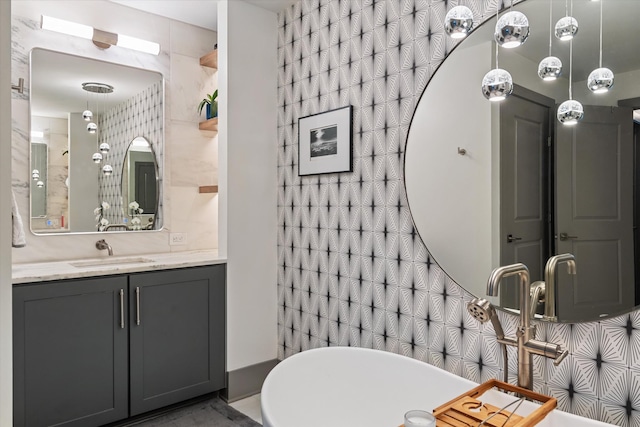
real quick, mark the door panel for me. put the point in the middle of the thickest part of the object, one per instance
(524, 132)
(594, 174)
(70, 353)
(177, 349)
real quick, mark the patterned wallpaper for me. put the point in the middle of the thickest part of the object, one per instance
(352, 269)
(141, 115)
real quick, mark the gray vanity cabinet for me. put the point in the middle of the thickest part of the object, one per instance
(177, 335)
(88, 352)
(70, 353)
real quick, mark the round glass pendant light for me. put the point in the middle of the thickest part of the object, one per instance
(40, 184)
(97, 158)
(92, 128)
(107, 170)
(104, 148)
(512, 29)
(600, 80)
(458, 22)
(570, 112)
(550, 68)
(497, 84)
(35, 174)
(566, 28)
(87, 115)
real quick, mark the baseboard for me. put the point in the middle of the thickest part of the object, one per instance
(247, 381)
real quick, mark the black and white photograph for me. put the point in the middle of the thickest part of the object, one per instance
(324, 142)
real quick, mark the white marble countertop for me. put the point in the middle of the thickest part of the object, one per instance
(106, 265)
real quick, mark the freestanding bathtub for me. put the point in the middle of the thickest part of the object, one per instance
(356, 387)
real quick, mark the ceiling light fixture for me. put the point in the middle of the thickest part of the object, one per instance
(550, 68)
(102, 39)
(458, 22)
(570, 112)
(567, 27)
(512, 29)
(497, 84)
(600, 80)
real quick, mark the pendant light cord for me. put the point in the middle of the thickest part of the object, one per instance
(497, 15)
(550, 24)
(601, 1)
(571, 69)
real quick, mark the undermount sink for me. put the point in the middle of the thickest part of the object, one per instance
(110, 262)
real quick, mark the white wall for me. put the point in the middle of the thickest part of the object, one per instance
(442, 208)
(247, 39)
(6, 373)
(83, 176)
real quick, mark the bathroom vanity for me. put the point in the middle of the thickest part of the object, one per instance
(101, 348)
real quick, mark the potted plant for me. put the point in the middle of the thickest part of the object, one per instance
(212, 105)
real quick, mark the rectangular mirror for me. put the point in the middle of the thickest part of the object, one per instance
(97, 134)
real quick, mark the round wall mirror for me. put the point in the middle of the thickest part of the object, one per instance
(492, 184)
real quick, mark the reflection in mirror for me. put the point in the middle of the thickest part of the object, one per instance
(527, 187)
(83, 193)
(139, 185)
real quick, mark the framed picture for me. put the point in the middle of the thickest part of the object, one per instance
(324, 142)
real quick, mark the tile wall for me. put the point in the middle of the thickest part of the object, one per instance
(352, 269)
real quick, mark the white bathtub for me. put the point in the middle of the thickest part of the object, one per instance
(356, 387)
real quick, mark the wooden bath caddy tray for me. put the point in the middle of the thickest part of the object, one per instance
(466, 411)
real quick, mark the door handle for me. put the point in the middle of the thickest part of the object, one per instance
(138, 306)
(511, 238)
(565, 236)
(121, 308)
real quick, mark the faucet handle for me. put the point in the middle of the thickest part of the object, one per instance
(560, 358)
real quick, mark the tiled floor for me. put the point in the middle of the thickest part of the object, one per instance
(250, 407)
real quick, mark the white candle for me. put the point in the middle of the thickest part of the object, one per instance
(418, 418)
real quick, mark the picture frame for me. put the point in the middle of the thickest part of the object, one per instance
(325, 142)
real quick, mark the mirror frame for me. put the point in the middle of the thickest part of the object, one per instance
(489, 21)
(159, 156)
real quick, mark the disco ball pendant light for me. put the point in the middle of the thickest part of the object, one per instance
(458, 22)
(497, 84)
(512, 29)
(601, 79)
(550, 68)
(567, 27)
(570, 112)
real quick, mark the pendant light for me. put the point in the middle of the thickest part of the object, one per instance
(570, 112)
(600, 80)
(497, 84)
(458, 22)
(512, 29)
(107, 170)
(567, 27)
(550, 68)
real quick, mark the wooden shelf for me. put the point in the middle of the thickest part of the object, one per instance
(210, 59)
(211, 124)
(208, 189)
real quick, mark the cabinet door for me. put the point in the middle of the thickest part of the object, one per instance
(70, 352)
(177, 335)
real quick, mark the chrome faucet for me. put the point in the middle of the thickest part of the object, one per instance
(550, 282)
(525, 341)
(102, 244)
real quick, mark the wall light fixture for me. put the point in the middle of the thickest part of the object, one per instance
(102, 39)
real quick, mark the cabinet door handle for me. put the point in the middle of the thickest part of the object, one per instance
(138, 306)
(121, 308)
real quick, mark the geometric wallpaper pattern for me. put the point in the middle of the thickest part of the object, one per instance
(140, 115)
(352, 270)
